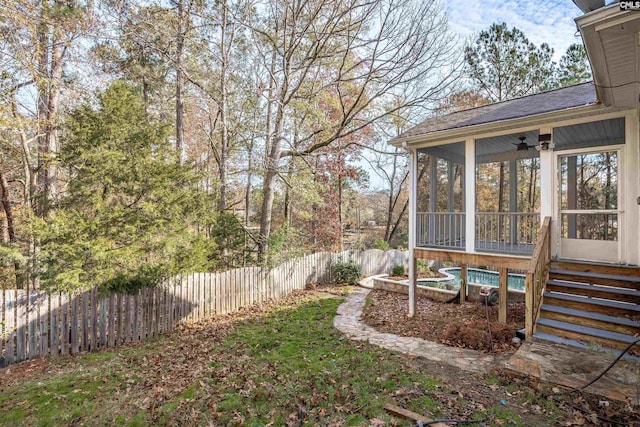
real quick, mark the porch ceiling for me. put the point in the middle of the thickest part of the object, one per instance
(592, 134)
(502, 148)
(488, 150)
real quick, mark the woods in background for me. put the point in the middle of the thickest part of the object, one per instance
(142, 139)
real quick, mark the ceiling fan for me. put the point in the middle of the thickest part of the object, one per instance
(522, 146)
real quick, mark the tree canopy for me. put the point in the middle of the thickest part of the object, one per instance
(139, 139)
(127, 214)
(503, 64)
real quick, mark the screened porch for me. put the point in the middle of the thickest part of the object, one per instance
(503, 193)
(506, 197)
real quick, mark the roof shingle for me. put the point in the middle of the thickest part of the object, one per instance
(545, 102)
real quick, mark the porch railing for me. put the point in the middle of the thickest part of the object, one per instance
(536, 277)
(509, 232)
(441, 230)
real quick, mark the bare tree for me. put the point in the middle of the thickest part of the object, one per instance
(358, 54)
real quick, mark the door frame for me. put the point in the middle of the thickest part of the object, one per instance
(620, 150)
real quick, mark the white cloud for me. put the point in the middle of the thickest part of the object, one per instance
(542, 21)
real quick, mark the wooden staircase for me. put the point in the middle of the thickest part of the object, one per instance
(585, 304)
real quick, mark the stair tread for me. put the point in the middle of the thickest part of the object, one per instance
(584, 286)
(620, 277)
(579, 344)
(591, 315)
(587, 330)
(605, 303)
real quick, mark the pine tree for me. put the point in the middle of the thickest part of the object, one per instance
(127, 218)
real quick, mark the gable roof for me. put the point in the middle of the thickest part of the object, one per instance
(545, 102)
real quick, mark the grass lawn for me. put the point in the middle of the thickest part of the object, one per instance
(283, 365)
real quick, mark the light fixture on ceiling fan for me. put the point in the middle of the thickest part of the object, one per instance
(522, 146)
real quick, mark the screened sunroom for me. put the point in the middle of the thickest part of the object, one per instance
(580, 164)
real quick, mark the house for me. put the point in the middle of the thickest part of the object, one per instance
(577, 239)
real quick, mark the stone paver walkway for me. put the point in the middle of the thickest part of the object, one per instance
(348, 322)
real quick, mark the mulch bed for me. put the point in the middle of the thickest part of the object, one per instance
(451, 324)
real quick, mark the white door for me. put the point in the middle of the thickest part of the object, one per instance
(590, 197)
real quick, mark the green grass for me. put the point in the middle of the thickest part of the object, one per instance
(290, 366)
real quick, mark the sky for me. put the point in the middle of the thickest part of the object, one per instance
(542, 21)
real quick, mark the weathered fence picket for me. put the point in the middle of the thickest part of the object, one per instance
(39, 323)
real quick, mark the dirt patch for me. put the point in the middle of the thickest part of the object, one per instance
(24, 370)
(451, 324)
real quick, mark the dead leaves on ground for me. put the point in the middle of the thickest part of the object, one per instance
(450, 324)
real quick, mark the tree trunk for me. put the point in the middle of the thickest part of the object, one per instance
(404, 210)
(224, 132)
(43, 82)
(247, 191)
(340, 225)
(180, 82)
(10, 234)
(51, 180)
(287, 197)
(269, 187)
(267, 205)
(273, 157)
(5, 202)
(391, 204)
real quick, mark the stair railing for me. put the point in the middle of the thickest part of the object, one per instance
(537, 276)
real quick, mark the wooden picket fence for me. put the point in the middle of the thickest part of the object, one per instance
(38, 323)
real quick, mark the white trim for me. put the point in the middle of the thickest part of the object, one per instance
(600, 14)
(413, 193)
(632, 190)
(587, 150)
(583, 250)
(431, 142)
(615, 21)
(546, 184)
(470, 195)
(571, 248)
(592, 211)
(506, 127)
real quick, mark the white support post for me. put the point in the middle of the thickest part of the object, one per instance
(631, 191)
(546, 180)
(470, 194)
(547, 189)
(413, 195)
(513, 201)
